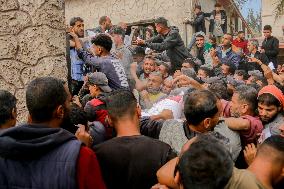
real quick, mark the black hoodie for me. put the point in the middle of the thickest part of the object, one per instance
(31, 141)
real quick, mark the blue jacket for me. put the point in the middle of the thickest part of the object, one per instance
(230, 56)
(33, 156)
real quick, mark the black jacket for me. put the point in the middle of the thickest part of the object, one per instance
(212, 21)
(271, 47)
(199, 23)
(173, 44)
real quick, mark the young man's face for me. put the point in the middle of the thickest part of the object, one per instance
(108, 23)
(79, 28)
(148, 66)
(241, 35)
(93, 90)
(196, 10)
(199, 42)
(163, 70)
(267, 113)
(267, 33)
(225, 69)
(158, 28)
(186, 65)
(202, 74)
(97, 50)
(167, 86)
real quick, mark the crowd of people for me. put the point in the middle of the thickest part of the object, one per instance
(152, 113)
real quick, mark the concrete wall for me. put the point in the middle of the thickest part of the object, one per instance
(32, 44)
(129, 11)
(268, 18)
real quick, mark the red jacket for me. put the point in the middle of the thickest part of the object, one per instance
(88, 170)
(241, 44)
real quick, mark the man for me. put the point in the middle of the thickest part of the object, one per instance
(153, 91)
(121, 50)
(270, 107)
(77, 64)
(270, 45)
(55, 158)
(244, 120)
(202, 110)
(206, 164)
(200, 47)
(240, 75)
(268, 165)
(233, 178)
(218, 22)
(241, 42)
(127, 38)
(164, 69)
(253, 52)
(225, 53)
(228, 69)
(103, 61)
(104, 25)
(167, 86)
(198, 23)
(169, 40)
(123, 159)
(148, 66)
(8, 110)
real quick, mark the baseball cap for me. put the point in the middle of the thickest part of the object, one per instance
(99, 79)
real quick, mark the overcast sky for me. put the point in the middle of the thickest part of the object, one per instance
(254, 4)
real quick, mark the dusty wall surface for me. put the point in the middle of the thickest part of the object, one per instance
(268, 18)
(129, 11)
(32, 44)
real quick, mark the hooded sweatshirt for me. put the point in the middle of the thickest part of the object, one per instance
(35, 156)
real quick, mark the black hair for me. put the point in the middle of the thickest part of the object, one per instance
(277, 143)
(103, 40)
(198, 7)
(232, 66)
(268, 100)
(199, 35)
(77, 116)
(242, 73)
(118, 30)
(217, 5)
(121, 103)
(207, 70)
(267, 27)
(102, 19)
(199, 105)
(247, 94)
(213, 38)
(239, 32)
(207, 164)
(74, 20)
(7, 104)
(43, 96)
(162, 20)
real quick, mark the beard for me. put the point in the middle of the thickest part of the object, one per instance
(154, 91)
(267, 120)
(67, 122)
